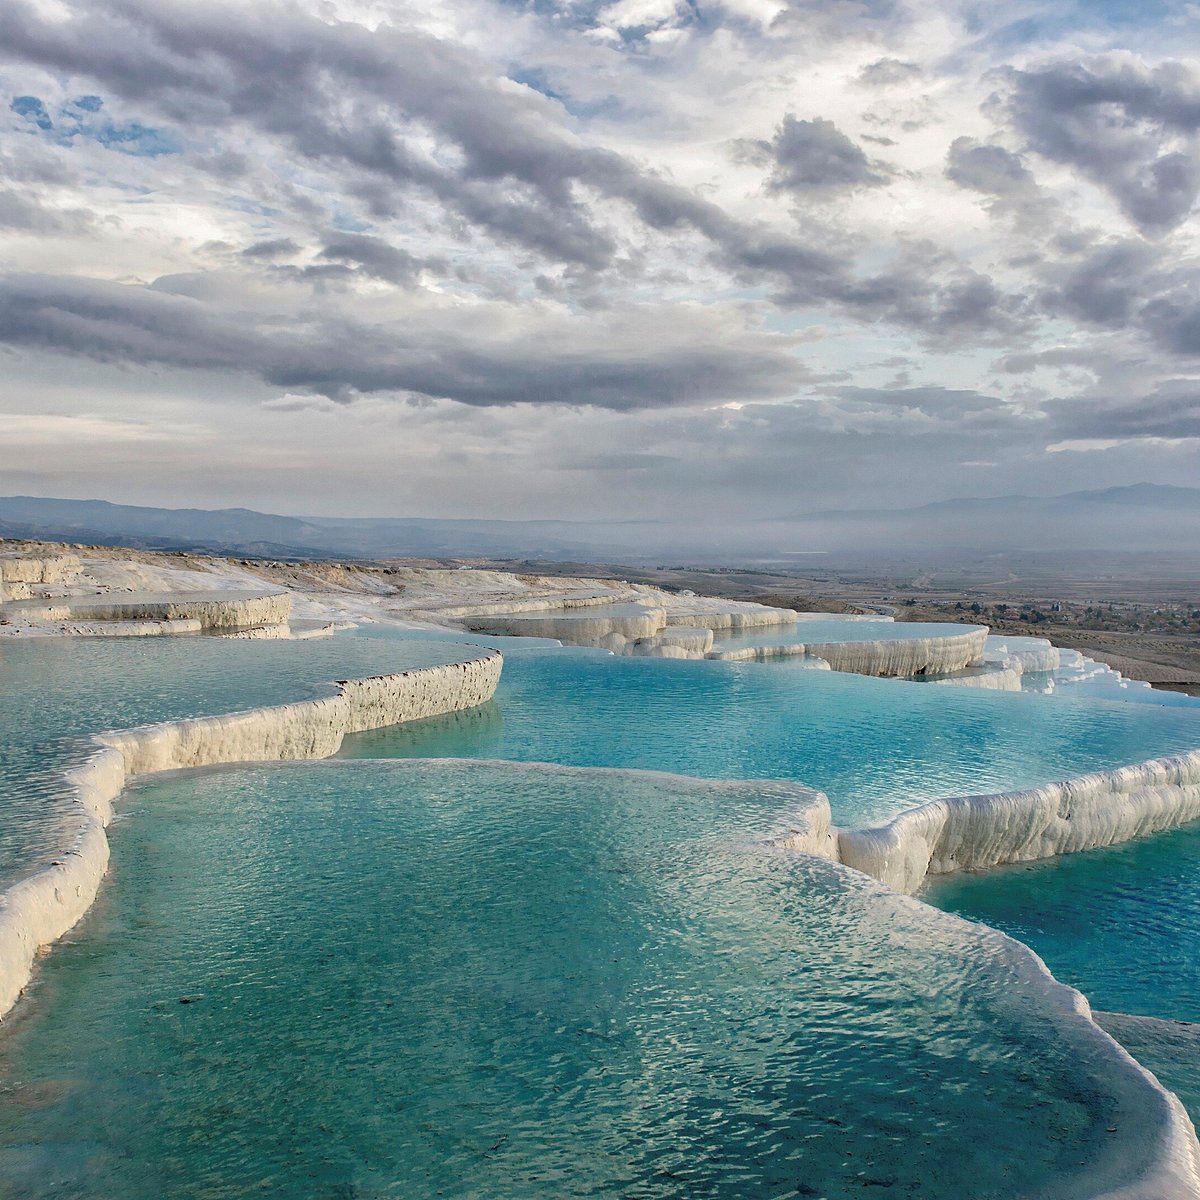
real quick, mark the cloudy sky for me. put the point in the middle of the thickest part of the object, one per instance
(582, 258)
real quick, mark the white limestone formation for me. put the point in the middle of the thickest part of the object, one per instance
(1033, 654)
(21, 574)
(761, 653)
(974, 832)
(903, 657)
(211, 609)
(675, 641)
(995, 676)
(1154, 1156)
(937, 655)
(537, 605)
(111, 628)
(576, 627)
(41, 908)
(731, 616)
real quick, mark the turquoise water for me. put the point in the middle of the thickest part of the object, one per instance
(413, 980)
(835, 629)
(1121, 924)
(875, 746)
(1170, 1049)
(55, 691)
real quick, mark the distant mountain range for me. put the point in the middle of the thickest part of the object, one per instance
(1144, 517)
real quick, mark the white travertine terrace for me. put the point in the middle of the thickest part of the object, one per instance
(901, 656)
(735, 617)
(993, 676)
(1032, 654)
(39, 909)
(1164, 1143)
(905, 656)
(20, 574)
(973, 832)
(578, 628)
(129, 628)
(676, 641)
(211, 609)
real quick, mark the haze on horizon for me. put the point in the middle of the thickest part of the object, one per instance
(645, 258)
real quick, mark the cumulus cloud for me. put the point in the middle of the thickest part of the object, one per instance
(1128, 127)
(812, 156)
(998, 174)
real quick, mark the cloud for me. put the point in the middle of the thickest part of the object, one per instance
(489, 240)
(998, 174)
(23, 212)
(1129, 128)
(1105, 285)
(1171, 411)
(364, 103)
(697, 355)
(812, 156)
(888, 72)
(375, 257)
(272, 248)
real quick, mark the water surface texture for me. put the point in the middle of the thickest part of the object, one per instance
(55, 691)
(875, 746)
(1122, 924)
(409, 980)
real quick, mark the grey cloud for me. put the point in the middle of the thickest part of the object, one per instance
(887, 72)
(633, 460)
(1022, 362)
(347, 98)
(1173, 318)
(998, 174)
(812, 156)
(376, 257)
(692, 360)
(1129, 128)
(1105, 286)
(272, 248)
(23, 213)
(1171, 411)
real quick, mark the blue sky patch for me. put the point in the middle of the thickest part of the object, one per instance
(32, 109)
(80, 118)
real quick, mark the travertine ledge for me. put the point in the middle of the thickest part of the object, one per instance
(904, 657)
(936, 655)
(209, 610)
(974, 832)
(39, 909)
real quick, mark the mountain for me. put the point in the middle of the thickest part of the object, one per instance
(1143, 518)
(246, 532)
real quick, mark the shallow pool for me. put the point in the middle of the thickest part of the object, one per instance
(1122, 924)
(875, 746)
(55, 691)
(409, 979)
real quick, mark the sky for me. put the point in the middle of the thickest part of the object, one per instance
(592, 259)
